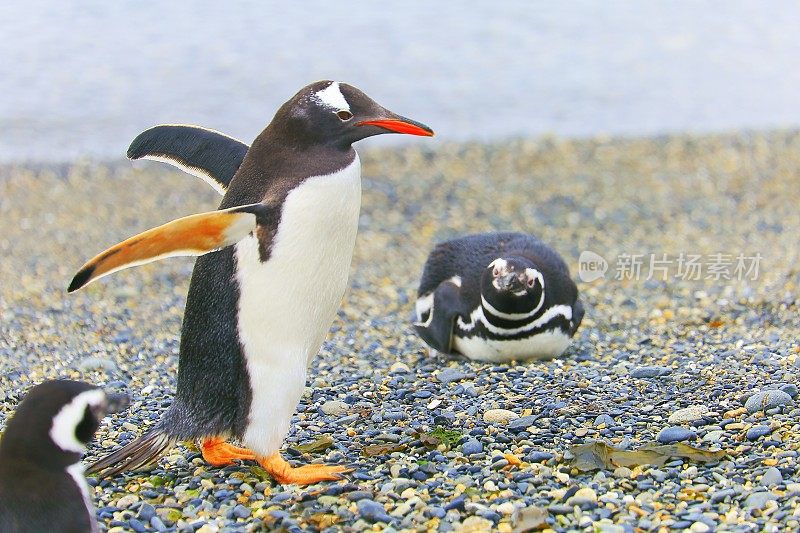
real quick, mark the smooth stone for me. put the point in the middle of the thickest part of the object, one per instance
(772, 476)
(96, 363)
(146, 512)
(761, 401)
(584, 498)
(523, 422)
(759, 500)
(127, 501)
(335, 408)
(720, 495)
(675, 434)
(756, 432)
(472, 446)
(473, 524)
(399, 367)
(650, 372)
(530, 518)
(451, 375)
(499, 416)
(538, 456)
(688, 414)
(373, 511)
(713, 436)
(604, 419)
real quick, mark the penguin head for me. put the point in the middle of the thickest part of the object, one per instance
(56, 420)
(512, 284)
(330, 112)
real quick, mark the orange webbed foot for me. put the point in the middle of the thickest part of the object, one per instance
(217, 452)
(286, 474)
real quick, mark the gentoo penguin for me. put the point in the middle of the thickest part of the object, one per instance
(42, 487)
(272, 272)
(497, 297)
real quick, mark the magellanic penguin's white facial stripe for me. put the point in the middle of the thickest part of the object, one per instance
(194, 171)
(478, 316)
(332, 97)
(62, 432)
(424, 305)
(499, 264)
(76, 473)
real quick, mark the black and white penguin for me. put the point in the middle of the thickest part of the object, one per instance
(273, 271)
(42, 487)
(497, 297)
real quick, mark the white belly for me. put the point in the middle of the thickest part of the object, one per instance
(287, 304)
(545, 345)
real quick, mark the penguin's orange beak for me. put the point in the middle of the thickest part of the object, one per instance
(398, 124)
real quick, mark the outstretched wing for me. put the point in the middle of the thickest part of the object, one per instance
(188, 236)
(207, 154)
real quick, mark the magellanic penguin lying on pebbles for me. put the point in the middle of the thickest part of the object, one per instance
(274, 267)
(497, 297)
(42, 487)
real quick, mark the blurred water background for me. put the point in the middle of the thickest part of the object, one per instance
(83, 77)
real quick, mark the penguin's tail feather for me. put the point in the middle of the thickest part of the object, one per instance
(142, 451)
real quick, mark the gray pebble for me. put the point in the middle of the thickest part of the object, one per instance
(373, 511)
(335, 408)
(472, 446)
(767, 399)
(772, 476)
(451, 375)
(758, 500)
(756, 432)
(650, 372)
(675, 434)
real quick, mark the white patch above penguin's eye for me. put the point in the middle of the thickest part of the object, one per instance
(344, 115)
(62, 432)
(497, 265)
(533, 276)
(332, 97)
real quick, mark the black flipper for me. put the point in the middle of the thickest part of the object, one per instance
(142, 451)
(207, 154)
(577, 316)
(435, 326)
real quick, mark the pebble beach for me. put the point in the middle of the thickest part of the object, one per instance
(676, 408)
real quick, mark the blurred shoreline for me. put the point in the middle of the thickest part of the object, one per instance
(61, 166)
(86, 77)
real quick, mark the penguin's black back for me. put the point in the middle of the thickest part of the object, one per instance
(467, 257)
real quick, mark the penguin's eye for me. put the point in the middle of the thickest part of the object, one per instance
(531, 282)
(344, 116)
(496, 272)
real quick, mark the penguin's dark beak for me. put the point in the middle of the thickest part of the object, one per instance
(510, 282)
(396, 124)
(116, 403)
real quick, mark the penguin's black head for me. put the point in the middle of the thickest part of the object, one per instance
(56, 420)
(329, 112)
(512, 284)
